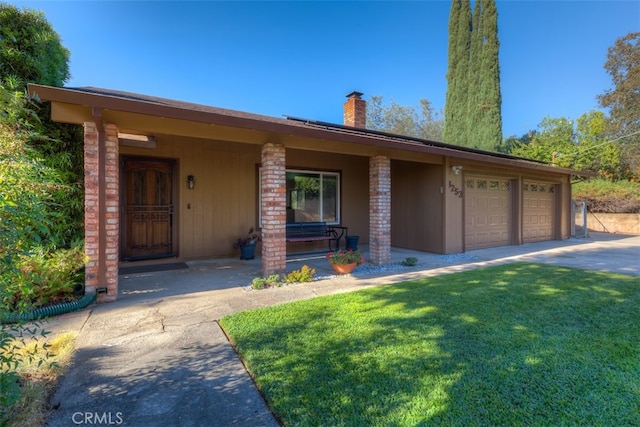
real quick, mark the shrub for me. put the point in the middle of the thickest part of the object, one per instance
(410, 261)
(263, 282)
(45, 277)
(304, 274)
(604, 196)
(14, 353)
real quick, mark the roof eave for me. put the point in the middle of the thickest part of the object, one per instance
(275, 125)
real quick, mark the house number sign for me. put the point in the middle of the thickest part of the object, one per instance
(455, 190)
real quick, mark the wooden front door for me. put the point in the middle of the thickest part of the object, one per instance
(148, 209)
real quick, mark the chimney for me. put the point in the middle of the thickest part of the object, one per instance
(355, 111)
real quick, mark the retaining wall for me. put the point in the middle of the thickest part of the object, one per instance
(612, 223)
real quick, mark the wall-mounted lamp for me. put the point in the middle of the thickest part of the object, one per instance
(191, 182)
(456, 169)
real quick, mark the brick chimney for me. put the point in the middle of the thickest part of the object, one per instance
(355, 111)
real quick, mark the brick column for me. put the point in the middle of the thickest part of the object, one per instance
(380, 210)
(102, 205)
(274, 209)
(112, 206)
(91, 206)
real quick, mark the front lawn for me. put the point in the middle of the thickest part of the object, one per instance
(520, 344)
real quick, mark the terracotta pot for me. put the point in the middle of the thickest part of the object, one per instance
(344, 268)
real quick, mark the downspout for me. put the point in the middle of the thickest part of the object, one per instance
(102, 197)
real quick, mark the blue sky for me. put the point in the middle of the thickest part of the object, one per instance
(300, 58)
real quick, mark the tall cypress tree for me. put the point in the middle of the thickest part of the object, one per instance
(455, 109)
(473, 103)
(489, 99)
(474, 79)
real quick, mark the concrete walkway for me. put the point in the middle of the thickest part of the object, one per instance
(157, 356)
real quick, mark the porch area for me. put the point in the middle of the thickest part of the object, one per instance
(232, 276)
(168, 278)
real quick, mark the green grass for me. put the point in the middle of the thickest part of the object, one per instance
(520, 344)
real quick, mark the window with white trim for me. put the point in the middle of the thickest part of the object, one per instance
(313, 196)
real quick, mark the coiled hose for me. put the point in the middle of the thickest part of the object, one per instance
(52, 310)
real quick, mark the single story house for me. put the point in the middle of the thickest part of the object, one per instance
(181, 181)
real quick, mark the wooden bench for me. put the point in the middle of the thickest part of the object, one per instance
(313, 232)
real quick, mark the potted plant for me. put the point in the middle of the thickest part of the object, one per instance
(247, 244)
(344, 262)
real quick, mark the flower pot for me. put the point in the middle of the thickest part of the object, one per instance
(344, 268)
(248, 251)
(352, 243)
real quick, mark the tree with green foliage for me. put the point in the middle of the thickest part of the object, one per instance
(510, 143)
(24, 222)
(30, 50)
(582, 145)
(455, 110)
(623, 101)
(474, 101)
(405, 120)
(486, 129)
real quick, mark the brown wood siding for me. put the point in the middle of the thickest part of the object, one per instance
(224, 202)
(354, 193)
(222, 205)
(416, 206)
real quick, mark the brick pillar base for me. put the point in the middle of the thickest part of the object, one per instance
(274, 210)
(380, 210)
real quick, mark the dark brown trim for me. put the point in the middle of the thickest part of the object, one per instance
(141, 104)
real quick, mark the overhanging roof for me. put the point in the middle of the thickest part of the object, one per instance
(79, 104)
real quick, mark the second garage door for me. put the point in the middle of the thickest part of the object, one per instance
(538, 220)
(487, 212)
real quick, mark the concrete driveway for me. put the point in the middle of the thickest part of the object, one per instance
(157, 356)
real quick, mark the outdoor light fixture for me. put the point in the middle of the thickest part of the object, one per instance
(191, 182)
(456, 169)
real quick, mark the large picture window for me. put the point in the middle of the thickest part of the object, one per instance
(313, 196)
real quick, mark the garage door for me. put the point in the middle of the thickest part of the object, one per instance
(538, 221)
(487, 212)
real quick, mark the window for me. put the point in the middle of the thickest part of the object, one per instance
(313, 196)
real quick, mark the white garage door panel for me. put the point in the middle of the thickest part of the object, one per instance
(487, 212)
(538, 221)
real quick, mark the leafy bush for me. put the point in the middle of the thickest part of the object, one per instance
(410, 261)
(604, 196)
(304, 274)
(46, 277)
(263, 282)
(13, 354)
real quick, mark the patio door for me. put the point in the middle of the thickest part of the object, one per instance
(148, 187)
